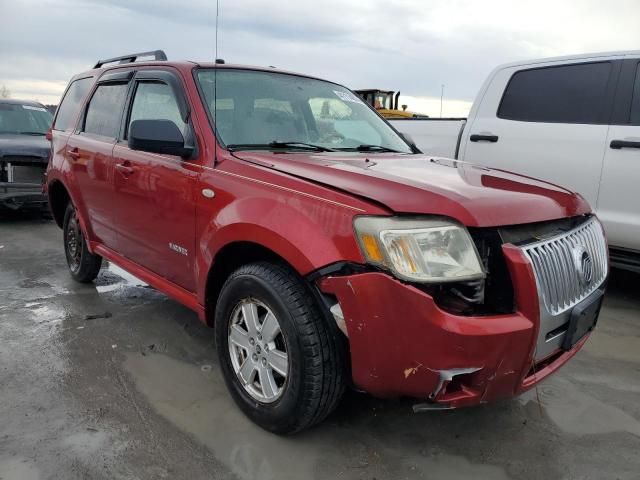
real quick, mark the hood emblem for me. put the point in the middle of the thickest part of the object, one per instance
(584, 265)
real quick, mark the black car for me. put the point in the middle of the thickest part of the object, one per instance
(24, 153)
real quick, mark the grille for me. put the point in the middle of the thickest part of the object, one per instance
(569, 267)
(27, 173)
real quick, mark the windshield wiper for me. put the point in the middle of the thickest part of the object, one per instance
(33, 133)
(279, 145)
(374, 148)
(368, 148)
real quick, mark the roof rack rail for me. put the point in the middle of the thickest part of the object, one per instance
(132, 57)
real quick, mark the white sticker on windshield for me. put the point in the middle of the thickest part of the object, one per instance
(347, 97)
(29, 107)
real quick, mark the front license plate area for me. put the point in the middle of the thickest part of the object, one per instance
(583, 318)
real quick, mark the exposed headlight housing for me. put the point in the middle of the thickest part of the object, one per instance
(427, 250)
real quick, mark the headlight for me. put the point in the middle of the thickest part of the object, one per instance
(419, 250)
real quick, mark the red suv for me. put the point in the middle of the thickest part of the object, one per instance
(321, 245)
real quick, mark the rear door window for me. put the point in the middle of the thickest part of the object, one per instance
(635, 103)
(68, 109)
(104, 112)
(564, 94)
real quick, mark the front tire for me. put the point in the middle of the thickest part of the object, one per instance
(282, 363)
(83, 265)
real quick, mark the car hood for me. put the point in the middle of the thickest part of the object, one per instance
(35, 147)
(422, 184)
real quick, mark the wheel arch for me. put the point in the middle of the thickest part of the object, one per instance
(304, 235)
(59, 197)
(230, 257)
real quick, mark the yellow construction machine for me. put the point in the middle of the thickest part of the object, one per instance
(386, 103)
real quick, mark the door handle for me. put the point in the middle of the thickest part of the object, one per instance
(618, 144)
(73, 153)
(483, 138)
(124, 169)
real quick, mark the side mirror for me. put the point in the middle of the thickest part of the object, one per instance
(158, 136)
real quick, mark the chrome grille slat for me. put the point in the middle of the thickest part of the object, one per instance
(559, 282)
(596, 259)
(602, 260)
(566, 267)
(569, 265)
(563, 274)
(556, 281)
(540, 269)
(551, 285)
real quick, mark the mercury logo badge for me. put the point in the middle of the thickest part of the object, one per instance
(584, 265)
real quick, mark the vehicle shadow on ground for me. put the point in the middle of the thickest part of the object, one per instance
(24, 216)
(153, 358)
(371, 438)
(624, 284)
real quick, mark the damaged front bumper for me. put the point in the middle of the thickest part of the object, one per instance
(14, 196)
(403, 344)
(21, 182)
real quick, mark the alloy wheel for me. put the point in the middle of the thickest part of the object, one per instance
(258, 351)
(74, 243)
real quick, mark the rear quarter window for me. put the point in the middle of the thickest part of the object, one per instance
(70, 105)
(563, 94)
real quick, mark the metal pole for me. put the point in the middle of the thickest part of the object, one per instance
(441, 96)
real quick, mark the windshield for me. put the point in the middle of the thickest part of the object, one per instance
(24, 119)
(265, 110)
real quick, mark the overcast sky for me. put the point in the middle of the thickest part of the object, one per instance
(413, 46)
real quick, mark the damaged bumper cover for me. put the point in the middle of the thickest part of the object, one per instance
(21, 182)
(17, 195)
(403, 344)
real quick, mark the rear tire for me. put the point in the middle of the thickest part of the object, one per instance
(281, 396)
(83, 265)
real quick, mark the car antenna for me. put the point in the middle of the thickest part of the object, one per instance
(218, 61)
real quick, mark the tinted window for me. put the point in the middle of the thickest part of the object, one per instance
(565, 94)
(156, 101)
(635, 103)
(68, 109)
(105, 110)
(24, 119)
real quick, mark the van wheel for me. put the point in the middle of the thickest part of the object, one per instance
(83, 265)
(282, 364)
